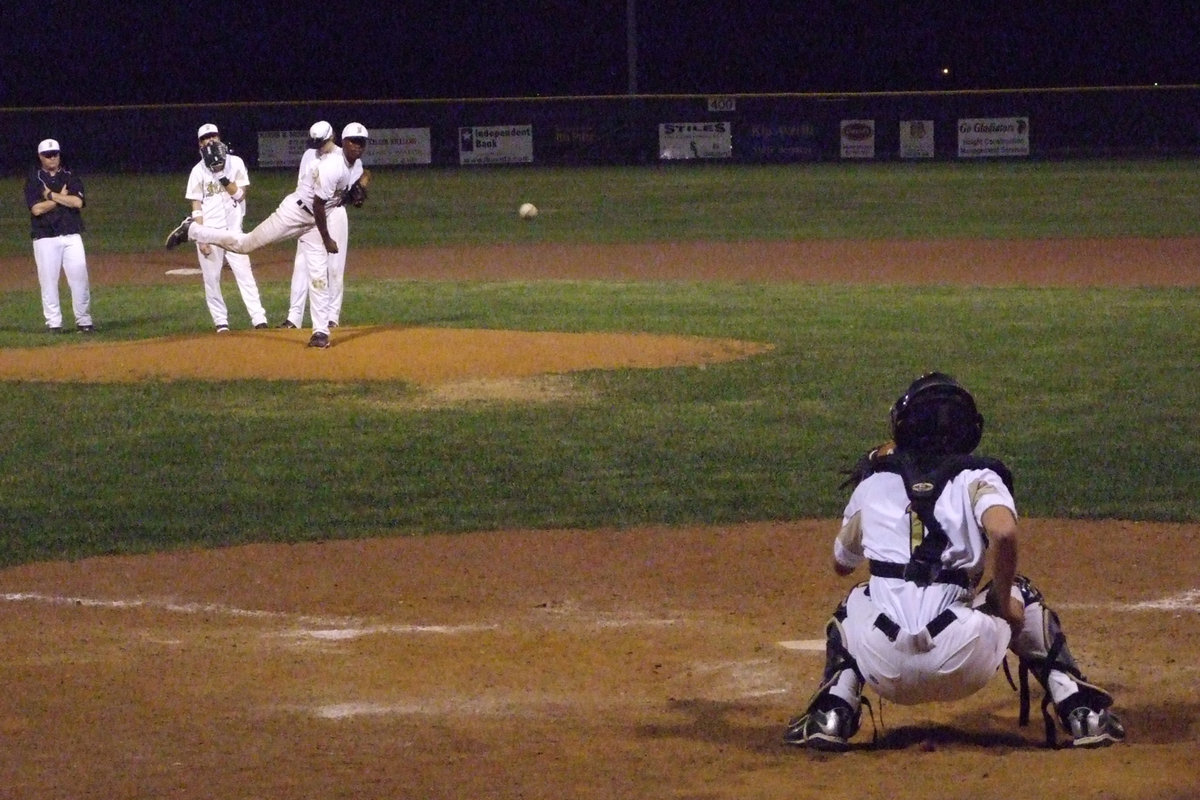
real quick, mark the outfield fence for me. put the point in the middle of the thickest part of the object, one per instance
(1089, 122)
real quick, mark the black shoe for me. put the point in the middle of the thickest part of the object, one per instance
(86, 328)
(179, 235)
(222, 329)
(287, 323)
(320, 340)
(262, 326)
(55, 329)
(332, 324)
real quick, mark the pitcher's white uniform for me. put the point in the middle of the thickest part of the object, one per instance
(919, 667)
(219, 210)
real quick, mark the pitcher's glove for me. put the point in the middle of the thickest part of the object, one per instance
(865, 466)
(214, 154)
(356, 194)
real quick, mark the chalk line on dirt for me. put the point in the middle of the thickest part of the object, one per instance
(317, 627)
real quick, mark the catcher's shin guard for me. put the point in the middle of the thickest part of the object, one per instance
(1041, 648)
(831, 719)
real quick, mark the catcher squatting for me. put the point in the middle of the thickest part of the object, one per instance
(923, 514)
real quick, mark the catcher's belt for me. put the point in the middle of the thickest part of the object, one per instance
(938, 624)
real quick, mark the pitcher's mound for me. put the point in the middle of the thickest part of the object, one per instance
(427, 356)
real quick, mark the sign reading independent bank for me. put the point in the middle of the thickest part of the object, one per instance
(495, 144)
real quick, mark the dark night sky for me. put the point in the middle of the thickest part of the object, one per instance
(113, 53)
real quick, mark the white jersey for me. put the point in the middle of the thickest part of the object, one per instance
(879, 523)
(218, 208)
(306, 177)
(334, 176)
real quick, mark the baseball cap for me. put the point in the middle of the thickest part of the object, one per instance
(207, 129)
(48, 146)
(320, 131)
(354, 130)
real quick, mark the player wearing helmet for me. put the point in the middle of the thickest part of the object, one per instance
(928, 517)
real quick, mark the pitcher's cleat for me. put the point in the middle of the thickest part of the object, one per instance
(179, 235)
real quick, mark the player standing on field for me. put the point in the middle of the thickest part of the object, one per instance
(321, 142)
(298, 213)
(926, 516)
(55, 199)
(218, 195)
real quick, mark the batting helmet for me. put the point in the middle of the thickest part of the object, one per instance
(936, 416)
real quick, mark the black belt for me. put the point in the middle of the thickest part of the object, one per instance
(306, 208)
(890, 569)
(939, 623)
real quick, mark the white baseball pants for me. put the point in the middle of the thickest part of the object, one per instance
(920, 667)
(291, 220)
(339, 229)
(210, 267)
(65, 253)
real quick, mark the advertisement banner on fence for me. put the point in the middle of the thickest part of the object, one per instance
(993, 136)
(681, 140)
(281, 148)
(495, 144)
(781, 141)
(916, 138)
(398, 146)
(385, 146)
(858, 138)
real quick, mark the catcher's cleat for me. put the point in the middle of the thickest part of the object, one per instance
(1090, 729)
(828, 730)
(320, 340)
(179, 235)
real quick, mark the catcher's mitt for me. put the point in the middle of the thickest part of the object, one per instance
(214, 154)
(865, 465)
(356, 194)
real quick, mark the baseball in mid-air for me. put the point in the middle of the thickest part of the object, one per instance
(527, 211)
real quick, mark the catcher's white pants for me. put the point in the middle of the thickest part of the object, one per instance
(918, 667)
(239, 264)
(339, 229)
(289, 221)
(65, 253)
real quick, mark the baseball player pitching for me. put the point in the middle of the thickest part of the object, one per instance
(298, 213)
(217, 188)
(320, 141)
(926, 517)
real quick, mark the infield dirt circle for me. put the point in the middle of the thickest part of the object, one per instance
(646, 663)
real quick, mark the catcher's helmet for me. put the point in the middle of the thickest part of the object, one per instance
(936, 416)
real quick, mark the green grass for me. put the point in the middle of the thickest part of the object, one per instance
(132, 213)
(1089, 394)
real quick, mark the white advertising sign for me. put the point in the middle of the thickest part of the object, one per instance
(385, 146)
(281, 148)
(993, 136)
(495, 144)
(682, 140)
(858, 138)
(398, 146)
(916, 138)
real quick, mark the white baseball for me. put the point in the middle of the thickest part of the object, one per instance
(527, 211)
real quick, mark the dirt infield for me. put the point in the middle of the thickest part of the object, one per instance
(647, 663)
